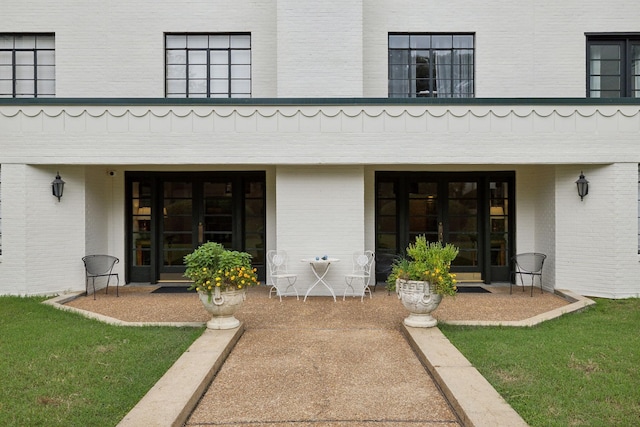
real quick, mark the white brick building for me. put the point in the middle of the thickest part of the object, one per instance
(319, 128)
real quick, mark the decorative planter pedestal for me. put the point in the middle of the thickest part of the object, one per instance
(416, 296)
(223, 306)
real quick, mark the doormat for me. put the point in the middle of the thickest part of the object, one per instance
(472, 290)
(172, 290)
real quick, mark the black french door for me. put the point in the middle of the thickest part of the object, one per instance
(171, 214)
(469, 210)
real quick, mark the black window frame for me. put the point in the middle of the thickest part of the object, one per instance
(416, 42)
(625, 41)
(209, 92)
(42, 43)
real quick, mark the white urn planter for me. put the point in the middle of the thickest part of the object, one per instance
(417, 297)
(223, 306)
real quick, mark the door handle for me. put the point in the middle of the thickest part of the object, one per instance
(440, 232)
(200, 233)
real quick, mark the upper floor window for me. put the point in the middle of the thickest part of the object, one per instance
(613, 66)
(431, 65)
(27, 65)
(208, 65)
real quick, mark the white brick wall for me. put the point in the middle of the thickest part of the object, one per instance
(303, 48)
(319, 48)
(597, 238)
(320, 211)
(43, 239)
(13, 263)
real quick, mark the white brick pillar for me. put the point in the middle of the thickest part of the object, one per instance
(320, 211)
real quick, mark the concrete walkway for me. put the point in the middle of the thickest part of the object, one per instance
(324, 363)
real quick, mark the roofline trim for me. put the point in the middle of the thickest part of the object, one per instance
(238, 102)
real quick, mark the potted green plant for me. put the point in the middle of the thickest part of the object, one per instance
(220, 277)
(422, 278)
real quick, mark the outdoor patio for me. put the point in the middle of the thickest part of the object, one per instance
(141, 304)
(281, 328)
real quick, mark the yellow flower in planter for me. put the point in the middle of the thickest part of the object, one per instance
(212, 266)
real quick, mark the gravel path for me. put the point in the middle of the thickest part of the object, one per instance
(320, 363)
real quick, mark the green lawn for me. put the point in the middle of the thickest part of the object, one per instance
(60, 369)
(582, 369)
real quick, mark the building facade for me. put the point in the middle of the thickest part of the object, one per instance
(319, 128)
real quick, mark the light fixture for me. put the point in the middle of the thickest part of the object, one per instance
(583, 186)
(144, 212)
(57, 186)
(496, 211)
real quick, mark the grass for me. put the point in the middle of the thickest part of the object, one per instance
(582, 369)
(60, 369)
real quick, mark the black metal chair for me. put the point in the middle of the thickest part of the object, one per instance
(100, 266)
(529, 263)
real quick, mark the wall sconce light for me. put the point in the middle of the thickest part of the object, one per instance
(57, 186)
(583, 186)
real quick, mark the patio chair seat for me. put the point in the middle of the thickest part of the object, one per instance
(529, 264)
(359, 279)
(281, 281)
(100, 266)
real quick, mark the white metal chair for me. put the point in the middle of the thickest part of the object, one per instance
(360, 278)
(281, 281)
(99, 266)
(529, 263)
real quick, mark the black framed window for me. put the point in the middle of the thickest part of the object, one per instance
(431, 65)
(27, 65)
(613, 64)
(208, 65)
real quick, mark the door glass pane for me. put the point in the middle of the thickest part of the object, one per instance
(462, 221)
(218, 212)
(635, 71)
(254, 240)
(605, 70)
(141, 223)
(423, 210)
(386, 216)
(499, 224)
(387, 243)
(177, 223)
(387, 224)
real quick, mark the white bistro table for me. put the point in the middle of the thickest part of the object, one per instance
(320, 268)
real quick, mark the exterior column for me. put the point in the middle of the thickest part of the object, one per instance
(320, 211)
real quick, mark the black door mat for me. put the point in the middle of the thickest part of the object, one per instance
(172, 290)
(472, 290)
